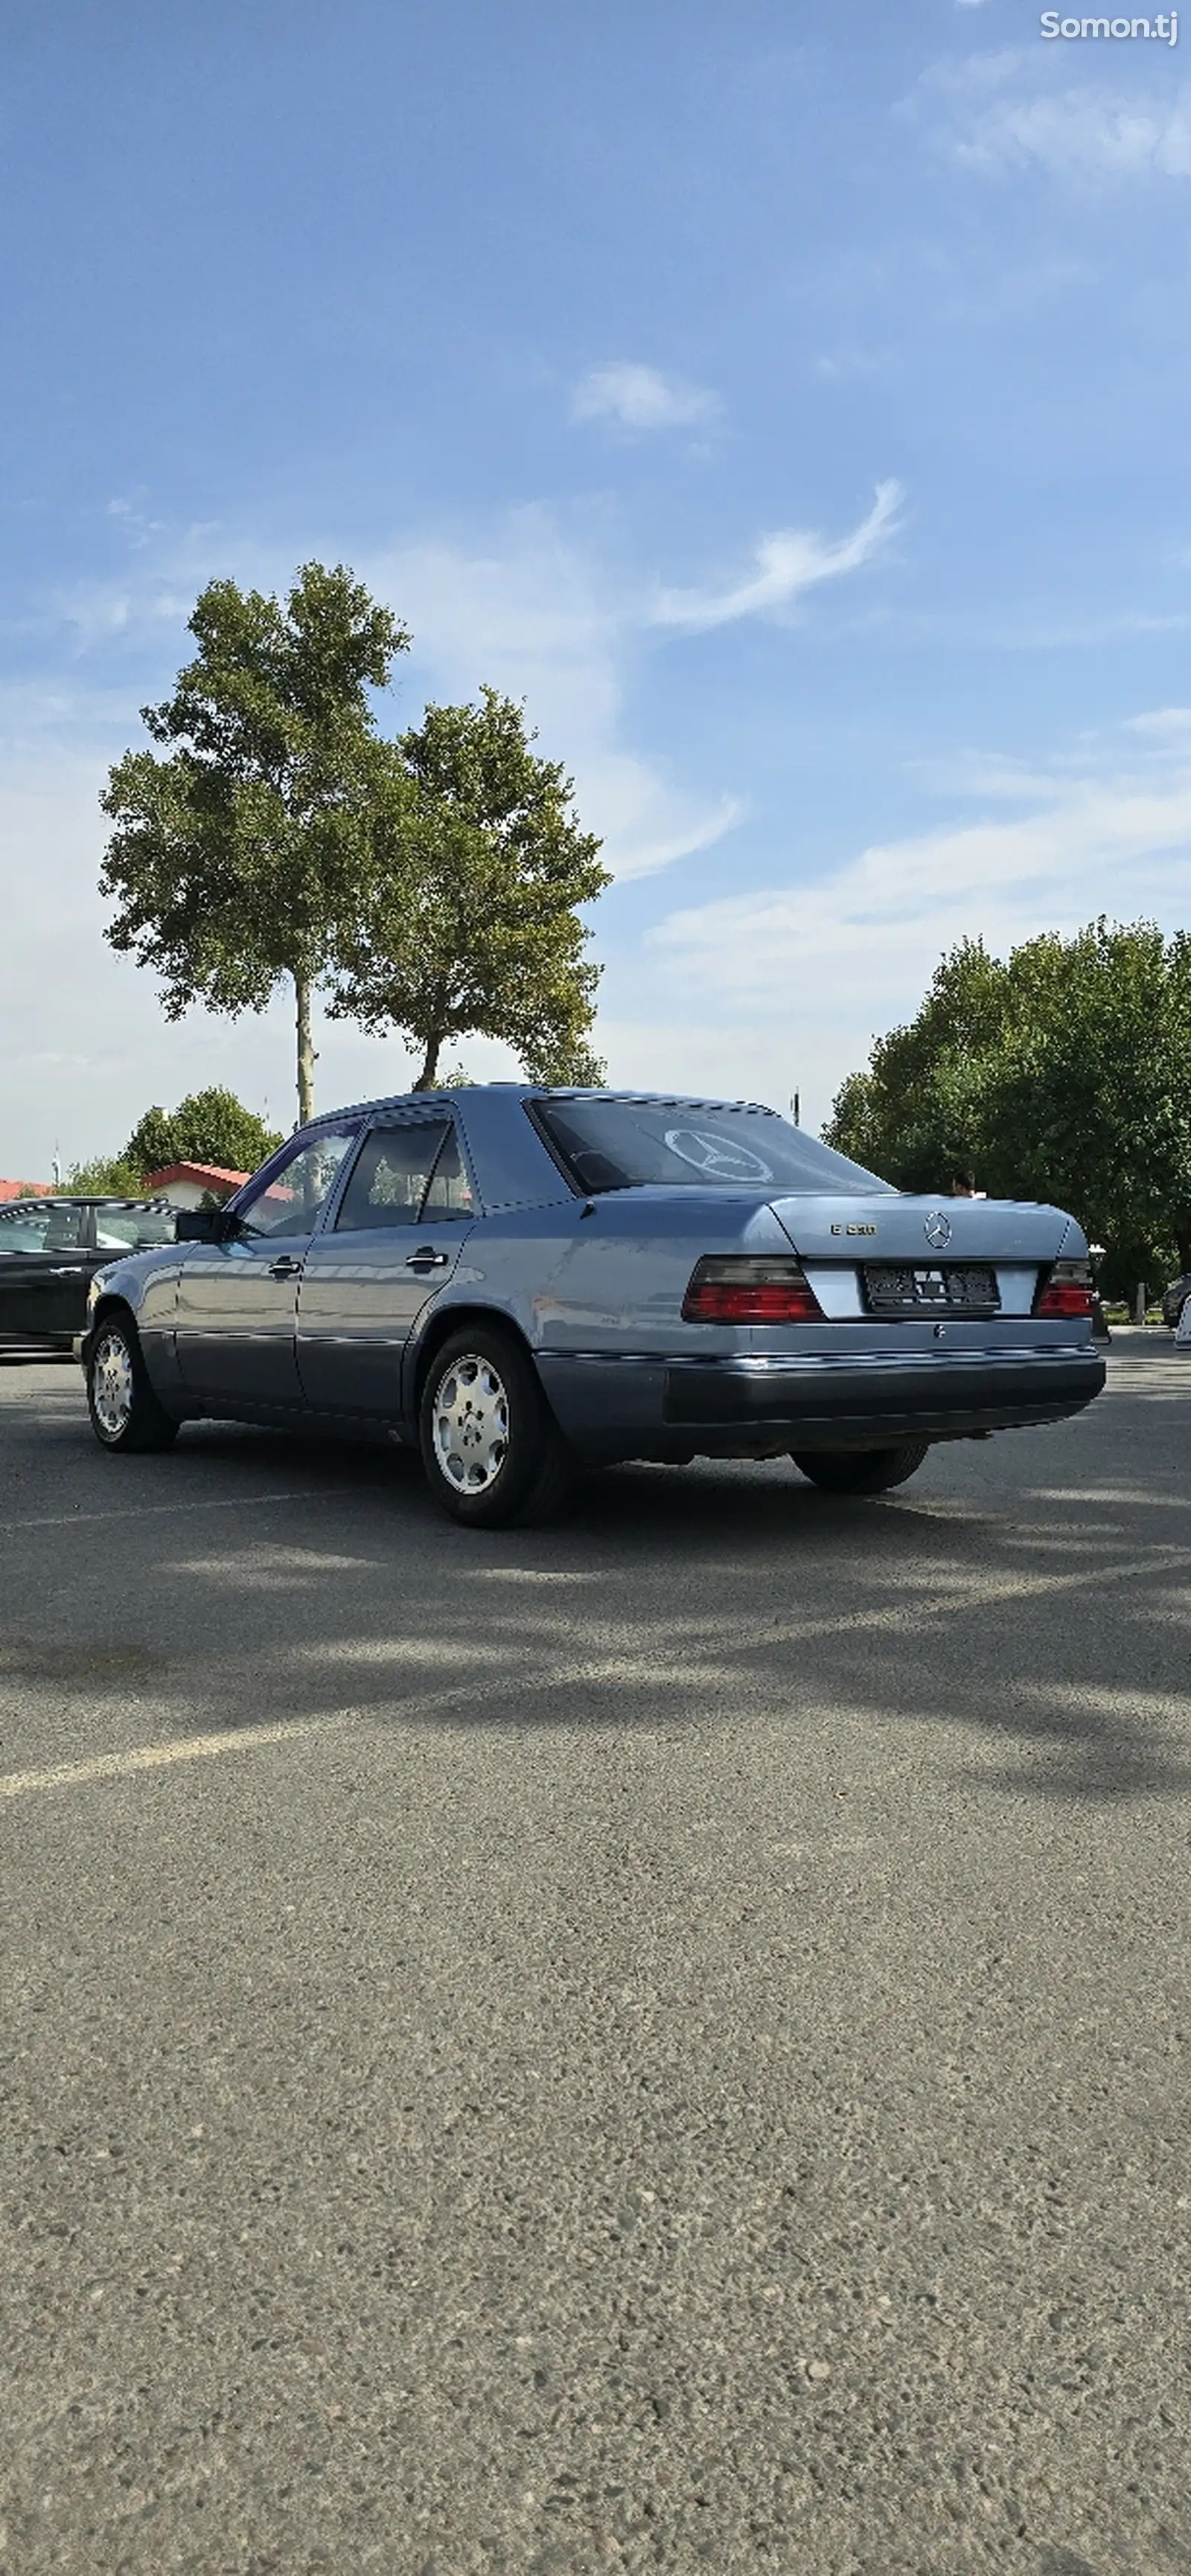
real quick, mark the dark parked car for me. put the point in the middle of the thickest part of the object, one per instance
(1174, 1298)
(50, 1249)
(520, 1280)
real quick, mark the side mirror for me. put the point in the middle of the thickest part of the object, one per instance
(204, 1225)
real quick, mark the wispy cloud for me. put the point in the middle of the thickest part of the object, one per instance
(535, 611)
(1167, 727)
(1081, 135)
(785, 564)
(1002, 112)
(641, 398)
(833, 963)
(536, 615)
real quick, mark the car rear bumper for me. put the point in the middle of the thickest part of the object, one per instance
(716, 1407)
(832, 1403)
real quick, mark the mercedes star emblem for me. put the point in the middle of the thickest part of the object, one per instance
(937, 1229)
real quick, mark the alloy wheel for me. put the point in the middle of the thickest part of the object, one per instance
(471, 1424)
(112, 1388)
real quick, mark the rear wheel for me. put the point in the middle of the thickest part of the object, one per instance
(125, 1413)
(861, 1471)
(492, 1450)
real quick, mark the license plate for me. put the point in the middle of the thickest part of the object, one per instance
(950, 1288)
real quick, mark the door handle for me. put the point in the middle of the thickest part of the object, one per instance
(427, 1259)
(284, 1268)
(69, 1270)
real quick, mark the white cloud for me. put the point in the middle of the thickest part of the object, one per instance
(1002, 111)
(785, 564)
(641, 398)
(831, 964)
(1081, 135)
(1169, 725)
(532, 615)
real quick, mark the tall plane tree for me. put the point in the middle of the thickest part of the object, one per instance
(237, 857)
(470, 922)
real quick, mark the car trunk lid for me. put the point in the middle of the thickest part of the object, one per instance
(889, 1228)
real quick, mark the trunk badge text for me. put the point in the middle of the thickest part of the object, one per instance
(853, 1229)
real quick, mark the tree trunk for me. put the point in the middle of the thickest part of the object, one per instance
(306, 1055)
(426, 1078)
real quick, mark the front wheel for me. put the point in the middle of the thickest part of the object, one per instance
(492, 1450)
(861, 1471)
(125, 1413)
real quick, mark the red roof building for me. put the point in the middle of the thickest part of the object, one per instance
(188, 1184)
(26, 1190)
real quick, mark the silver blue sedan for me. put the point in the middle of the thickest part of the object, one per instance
(525, 1282)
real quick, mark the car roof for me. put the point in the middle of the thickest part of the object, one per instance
(63, 1198)
(537, 1091)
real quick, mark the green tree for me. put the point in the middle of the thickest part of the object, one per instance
(207, 1127)
(915, 1115)
(469, 923)
(236, 858)
(1063, 1073)
(106, 1176)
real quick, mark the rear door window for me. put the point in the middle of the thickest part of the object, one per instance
(391, 1175)
(450, 1193)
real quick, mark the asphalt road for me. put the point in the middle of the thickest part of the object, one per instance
(653, 2044)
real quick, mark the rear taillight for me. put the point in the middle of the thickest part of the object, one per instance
(1066, 1290)
(747, 1289)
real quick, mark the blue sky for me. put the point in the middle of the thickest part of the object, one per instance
(790, 401)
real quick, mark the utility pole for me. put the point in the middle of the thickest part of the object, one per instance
(794, 1107)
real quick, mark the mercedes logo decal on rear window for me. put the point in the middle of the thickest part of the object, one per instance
(719, 1157)
(937, 1229)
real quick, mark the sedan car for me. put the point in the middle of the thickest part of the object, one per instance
(50, 1249)
(524, 1281)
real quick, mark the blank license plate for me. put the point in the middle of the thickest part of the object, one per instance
(951, 1288)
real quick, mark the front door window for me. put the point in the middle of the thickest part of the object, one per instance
(292, 1196)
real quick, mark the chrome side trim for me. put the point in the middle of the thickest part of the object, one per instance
(812, 1363)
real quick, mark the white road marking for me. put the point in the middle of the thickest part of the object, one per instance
(624, 1668)
(150, 1511)
(200, 1748)
(156, 1757)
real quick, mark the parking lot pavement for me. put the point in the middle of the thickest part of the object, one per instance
(657, 2043)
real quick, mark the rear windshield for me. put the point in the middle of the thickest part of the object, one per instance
(620, 1144)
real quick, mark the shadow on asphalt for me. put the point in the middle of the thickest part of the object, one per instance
(1031, 1593)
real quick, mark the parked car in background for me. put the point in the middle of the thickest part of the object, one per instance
(50, 1250)
(520, 1280)
(1174, 1298)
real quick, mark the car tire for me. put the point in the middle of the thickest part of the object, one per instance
(861, 1471)
(491, 1448)
(125, 1413)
